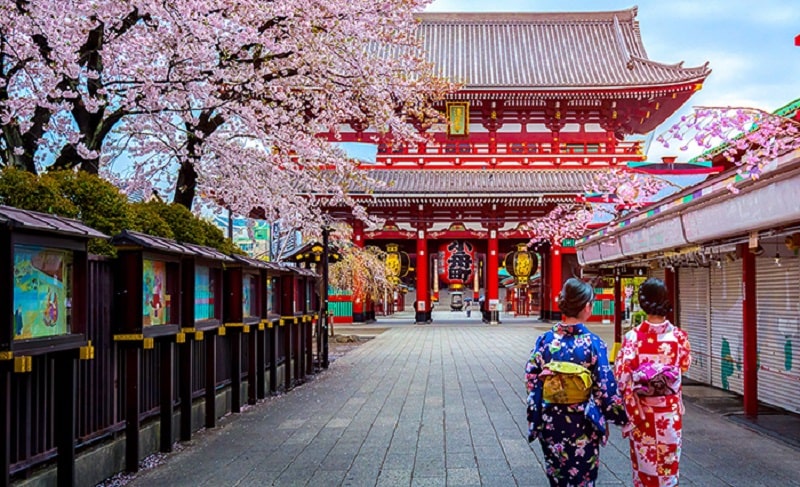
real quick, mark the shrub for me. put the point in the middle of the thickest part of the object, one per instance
(26, 191)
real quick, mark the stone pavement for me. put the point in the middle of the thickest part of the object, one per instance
(440, 404)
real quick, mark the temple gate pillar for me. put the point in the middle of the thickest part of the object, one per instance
(492, 281)
(359, 305)
(555, 281)
(423, 301)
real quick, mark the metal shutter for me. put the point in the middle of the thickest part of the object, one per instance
(778, 295)
(726, 326)
(693, 312)
(658, 274)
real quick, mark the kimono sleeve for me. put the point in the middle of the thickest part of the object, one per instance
(605, 390)
(684, 350)
(534, 386)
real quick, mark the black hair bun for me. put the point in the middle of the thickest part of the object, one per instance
(574, 296)
(654, 298)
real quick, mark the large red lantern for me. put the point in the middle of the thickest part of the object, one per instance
(521, 264)
(456, 263)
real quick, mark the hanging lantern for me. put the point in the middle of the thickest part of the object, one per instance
(397, 263)
(456, 263)
(521, 263)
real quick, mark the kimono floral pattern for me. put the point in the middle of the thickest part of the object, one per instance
(655, 421)
(571, 434)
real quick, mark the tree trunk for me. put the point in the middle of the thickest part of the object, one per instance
(187, 185)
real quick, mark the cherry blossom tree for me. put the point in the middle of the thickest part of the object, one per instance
(615, 191)
(231, 100)
(747, 137)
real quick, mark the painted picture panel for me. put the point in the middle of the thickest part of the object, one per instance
(42, 291)
(250, 296)
(156, 305)
(203, 293)
(272, 299)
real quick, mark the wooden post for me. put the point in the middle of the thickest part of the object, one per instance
(65, 389)
(261, 337)
(185, 388)
(167, 395)
(252, 365)
(133, 357)
(749, 332)
(273, 357)
(211, 379)
(5, 422)
(286, 331)
(618, 305)
(309, 349)
(235, 337)
(298, 351)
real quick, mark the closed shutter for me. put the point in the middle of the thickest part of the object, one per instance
(777, 296)
(658, 274)
(693, 315)
(726, 326)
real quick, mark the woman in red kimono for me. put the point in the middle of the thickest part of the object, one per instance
(648, 369)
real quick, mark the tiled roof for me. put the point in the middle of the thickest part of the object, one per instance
(129, 237)
(45, 222)
(481, 182)
(545, 51)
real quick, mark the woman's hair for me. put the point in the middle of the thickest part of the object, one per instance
(653, 297)
(574, 296)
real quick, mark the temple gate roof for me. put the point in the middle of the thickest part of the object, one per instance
(546, 51)
(443, 182)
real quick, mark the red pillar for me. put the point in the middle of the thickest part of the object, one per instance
(423, 293)
(358, 233)
(555, 280)
(492, 280)
(669, 281)
(749, 332)
(618, 305)
(359, 316)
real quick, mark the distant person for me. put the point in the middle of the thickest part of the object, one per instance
(572, 393)
(649, 366)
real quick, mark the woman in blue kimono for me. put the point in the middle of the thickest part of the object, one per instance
(570, 423)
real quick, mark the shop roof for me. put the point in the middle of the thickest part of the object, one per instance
(16, 218)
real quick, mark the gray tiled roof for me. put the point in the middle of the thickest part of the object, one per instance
(45, 222)
(481, 182)
(545, 50)
(130, 237)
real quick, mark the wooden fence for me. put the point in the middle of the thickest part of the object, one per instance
(100, 399)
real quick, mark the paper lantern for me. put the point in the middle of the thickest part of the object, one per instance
(521, 264)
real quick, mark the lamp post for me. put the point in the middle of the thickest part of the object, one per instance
(326, 230)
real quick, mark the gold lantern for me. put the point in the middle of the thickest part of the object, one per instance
(397, 263)
(521, 264)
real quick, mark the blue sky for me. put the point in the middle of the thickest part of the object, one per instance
(749, 45)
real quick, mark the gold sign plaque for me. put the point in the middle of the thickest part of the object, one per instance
(458, 118)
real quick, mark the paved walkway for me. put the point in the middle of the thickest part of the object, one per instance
(439, 404)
